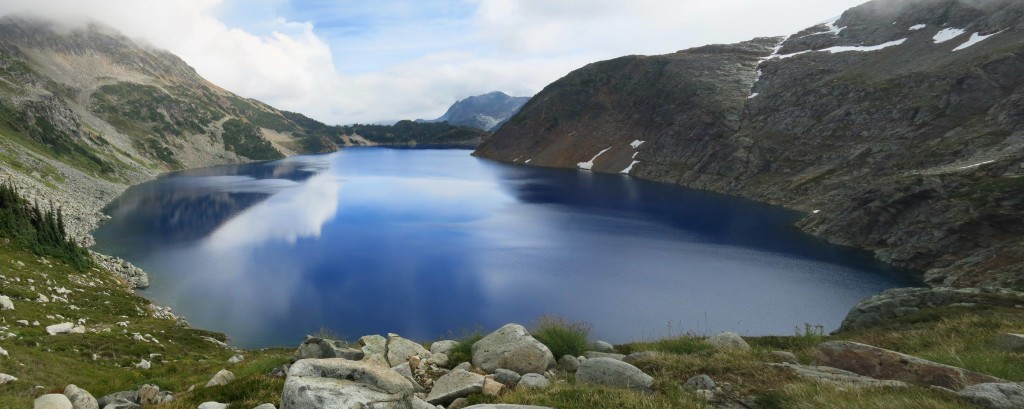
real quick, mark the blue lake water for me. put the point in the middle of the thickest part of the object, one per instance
(432, 242)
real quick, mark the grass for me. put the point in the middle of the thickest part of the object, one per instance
(463, 352)
(561, 336)
(686, 344)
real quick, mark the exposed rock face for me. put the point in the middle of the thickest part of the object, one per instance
(512, 347)
(134, 276)
(898, 302)
(487, 112)
(341, 383)
(825, 374)
(995, 395)
(913, 150)
(881, 363)
(612, 372)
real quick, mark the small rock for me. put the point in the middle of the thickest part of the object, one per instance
(5, 303)
(149, 394)
(492, 387)
(144, 364)
(3, 352)
(122, 404)
(61, 328)
(52, 401)
(995, 395)
(728, 341)
(456, 384)
(80, 398)
(635, 357)
(705, 394)
(601, 346)
(595, 354)
(5, 379)
(236, 359)
(568, 363)
(504, 406)
(265, 406)
(459, 403)
(400, 349)
(507, 377)
(465, 366)
(784, 356)
(223, 377)
(533, 381)
(438, 359)
(212, 405)
(127, 396)
(699, 382)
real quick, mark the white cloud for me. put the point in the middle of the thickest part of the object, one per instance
(398, 61)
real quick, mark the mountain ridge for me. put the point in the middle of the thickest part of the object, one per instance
(487, 111)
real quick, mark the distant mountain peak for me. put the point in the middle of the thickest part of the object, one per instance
(487, 111)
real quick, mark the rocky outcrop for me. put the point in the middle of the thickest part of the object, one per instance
(315, 347)
(995, 395)
(512, 347)
(80, 398)
(456, 384)
(340, 383)
(898, 302)
(888, 139)
(881, 363)
(839, 377)
(612, 372)
(134, 276)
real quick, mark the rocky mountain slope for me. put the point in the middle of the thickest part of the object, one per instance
(898, 128)
(487, 112)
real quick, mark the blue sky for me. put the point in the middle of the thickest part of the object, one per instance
(352, 61)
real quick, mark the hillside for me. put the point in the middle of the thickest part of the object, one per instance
(897, 128)
(487, 112)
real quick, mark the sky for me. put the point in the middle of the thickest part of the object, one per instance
(358, 61)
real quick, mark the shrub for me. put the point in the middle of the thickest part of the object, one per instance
(561, 336)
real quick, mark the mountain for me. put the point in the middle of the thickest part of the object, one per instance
(898, 128)
(487, 112)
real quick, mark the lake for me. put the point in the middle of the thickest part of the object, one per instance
(431, 243)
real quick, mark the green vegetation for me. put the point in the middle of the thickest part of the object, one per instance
(463, 352)
(145, 110)
(40, 135)
(561, 336)
(408, 132)
(260, 115)
(41, 231)
(245, 139)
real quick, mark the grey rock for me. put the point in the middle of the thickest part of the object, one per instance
(881, 363)
(5, 379)
(80, 398)
(62, 328)
(52, 401)
(406, 371)
(785, 357)
(1012, 342)
(612, 372)
(443, 347)
(374, 345)
(341, 383)
(512, 347)
(896, 302)
(568, 363)
(5, 303)
(533, 381)
(400, 349)
(265, 406)
(505, 406)
(465, 366)
(492, 387)
(130, 396)
(835, 376)
(456, 384)
(440, 360)
(122, 404)
(212, 405)
(236, 359)
(507, 377)
(601, 346)
(595, 354)
(635, 357)
(315, 347)
(222, 377)
(728, 341)
(149, 395)
(459, 403)
(995, 395)
(699, 382)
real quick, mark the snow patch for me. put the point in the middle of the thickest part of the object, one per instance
(843, 49)
(816, 211)
(947, 34)
(636, 144)
(754, 95)
(629, 168)
(588, 165)
(833, 29)
(528, 161)
(975, 39)
(917, 27)
(976, 164)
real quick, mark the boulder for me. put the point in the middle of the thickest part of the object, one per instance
(601, 346)
(341, 383)
(443, 347)
(699, 382)
(459, 403)
(52, 401)
(236, 359)
(5, 303)
(440, 360)
(512, 347)
(995, 395)
(144, 364)
(882, 363)
(62, 328)
(406, 371)
(80, 398)
(785, 357)
(373, 345)
(507, 377)
(834, 376)
(896, 302)
(400, 349)
(222, 377)
(568, 363)
(315, 347)
(1012, 342)
(728, 341)
(635, 357)
(212, 405)
(612, 372)
(533, 381)
(265, 406)
(456, 384)
(5, 379)
(504, 406)
(130, 396)
(595, 354)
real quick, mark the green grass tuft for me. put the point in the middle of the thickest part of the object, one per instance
(561, 336)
